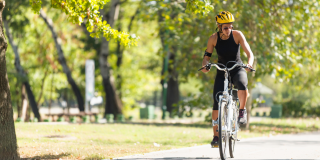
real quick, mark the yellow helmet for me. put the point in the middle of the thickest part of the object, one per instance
(224, 17)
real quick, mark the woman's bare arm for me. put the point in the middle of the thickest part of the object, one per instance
(210, 46)
(245, 46)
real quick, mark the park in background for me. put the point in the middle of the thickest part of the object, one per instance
(45, 58)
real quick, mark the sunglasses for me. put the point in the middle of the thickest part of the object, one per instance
(226, 28)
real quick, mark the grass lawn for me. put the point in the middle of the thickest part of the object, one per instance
(98, 141)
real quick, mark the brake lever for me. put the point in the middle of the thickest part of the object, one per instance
(200, 69)
(207, 66)
(251, 69)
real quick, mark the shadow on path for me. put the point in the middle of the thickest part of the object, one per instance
(196, 158)
(47, 156)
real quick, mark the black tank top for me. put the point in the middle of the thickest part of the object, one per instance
(228, 50)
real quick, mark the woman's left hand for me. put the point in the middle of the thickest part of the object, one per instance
(247, 69)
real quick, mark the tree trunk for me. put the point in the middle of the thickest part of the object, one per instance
(119, 77)
(32, 101)
(113, 103)
(119, 63)
(19, 106)
(120, 51)
(8, 140)
(173, 94)
(63, 62)
(24, 103)
(21, 72)
(42, 86)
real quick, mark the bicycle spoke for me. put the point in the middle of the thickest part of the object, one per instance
(223, 136)
(235, 129)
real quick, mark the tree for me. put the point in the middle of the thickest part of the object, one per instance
(19, 68)
(62, 61)
(8, 148)
(177, 33)
(113, 103)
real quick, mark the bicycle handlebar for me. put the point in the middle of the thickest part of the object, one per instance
(209, 65)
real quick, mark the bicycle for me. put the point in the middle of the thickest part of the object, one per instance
(228, 110)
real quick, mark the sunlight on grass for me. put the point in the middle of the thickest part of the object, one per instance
(271, 127)
(86, 141)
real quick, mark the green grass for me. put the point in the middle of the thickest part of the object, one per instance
(98, 141)
(269, 127)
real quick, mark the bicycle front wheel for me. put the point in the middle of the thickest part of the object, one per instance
(235, 127)
(223, 135)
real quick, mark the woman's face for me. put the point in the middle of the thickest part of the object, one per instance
(226, 28)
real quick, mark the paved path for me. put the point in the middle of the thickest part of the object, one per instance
(294, 146)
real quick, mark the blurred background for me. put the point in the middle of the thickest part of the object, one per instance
(158, 79)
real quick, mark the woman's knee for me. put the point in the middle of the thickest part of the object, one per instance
(242, 81)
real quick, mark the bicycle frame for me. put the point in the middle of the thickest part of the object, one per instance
(226, 97)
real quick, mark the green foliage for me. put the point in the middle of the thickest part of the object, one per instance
(77, 11)
(202, 7)
(35, 5)
(38, 56)
(296, 99)
(282, 35)
(141, 67)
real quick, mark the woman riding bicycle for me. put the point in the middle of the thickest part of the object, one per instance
(227, 44)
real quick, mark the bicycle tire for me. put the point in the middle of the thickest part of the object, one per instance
(223, 135)
(233, 139)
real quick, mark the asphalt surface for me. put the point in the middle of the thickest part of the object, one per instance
(293, 146)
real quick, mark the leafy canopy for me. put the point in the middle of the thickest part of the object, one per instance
(78, 10)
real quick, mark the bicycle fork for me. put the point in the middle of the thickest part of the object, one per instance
(232, 121)
(230, 115)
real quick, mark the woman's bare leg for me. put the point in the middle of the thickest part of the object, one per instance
(214, 117)
(242, 95)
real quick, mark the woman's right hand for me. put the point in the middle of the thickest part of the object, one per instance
(204, 70)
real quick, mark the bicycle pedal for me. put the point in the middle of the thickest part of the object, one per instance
(214, 146)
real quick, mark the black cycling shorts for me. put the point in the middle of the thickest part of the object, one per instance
(239, 79)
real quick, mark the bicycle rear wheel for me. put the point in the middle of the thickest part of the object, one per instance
(223, 135)
(235, 126)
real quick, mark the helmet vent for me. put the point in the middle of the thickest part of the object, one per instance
(224, 17)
